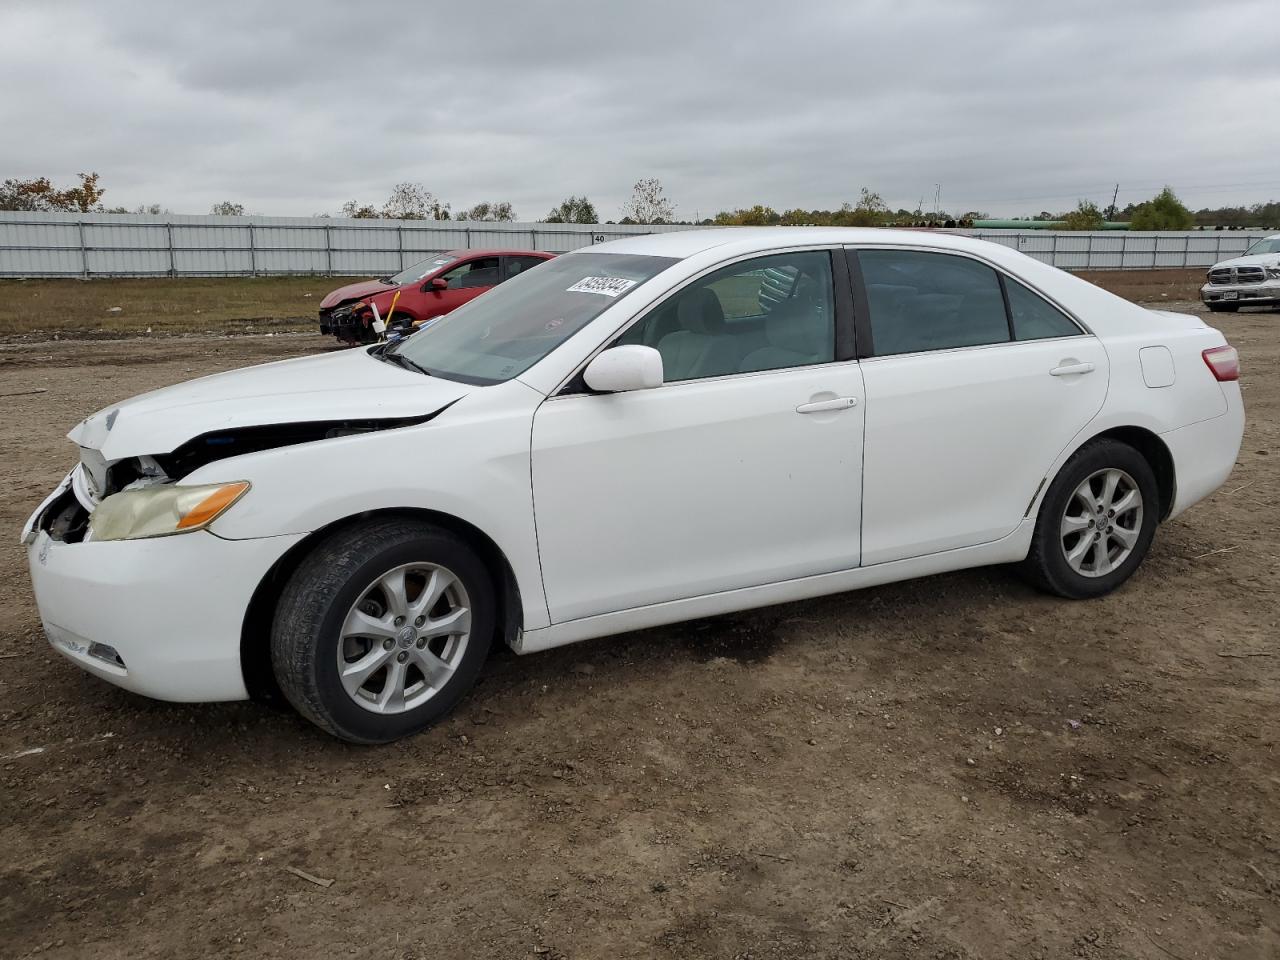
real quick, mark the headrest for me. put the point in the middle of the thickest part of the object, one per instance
(792, 324)
(700, 312)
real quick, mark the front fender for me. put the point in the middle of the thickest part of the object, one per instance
(471, 462)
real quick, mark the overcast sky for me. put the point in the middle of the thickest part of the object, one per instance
(292, 107)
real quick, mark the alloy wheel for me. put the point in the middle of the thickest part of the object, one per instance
(404, 638)
(1101, 523)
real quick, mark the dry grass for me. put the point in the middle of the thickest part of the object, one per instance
(82, 308)
(73, 309)
(1149, 286)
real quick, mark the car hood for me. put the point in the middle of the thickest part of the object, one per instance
(349, 385)
(354, 291)
(1257, 260)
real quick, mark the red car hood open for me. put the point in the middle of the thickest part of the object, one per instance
(353, 291)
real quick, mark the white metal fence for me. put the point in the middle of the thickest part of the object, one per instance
(112, 245)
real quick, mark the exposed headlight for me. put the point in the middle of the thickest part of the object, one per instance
(1273, 272)
(161, 511)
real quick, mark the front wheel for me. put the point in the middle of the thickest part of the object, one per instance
(383, 629)
(1096, 522)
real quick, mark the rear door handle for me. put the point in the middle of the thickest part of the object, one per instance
(818, 406)
(1071, 369)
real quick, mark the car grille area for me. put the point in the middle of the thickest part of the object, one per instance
(1237, 275)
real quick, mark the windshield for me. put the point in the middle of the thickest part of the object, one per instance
(504, 332)
(1270, 245)
(419, 270)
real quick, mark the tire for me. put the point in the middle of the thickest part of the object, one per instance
(349, 662)
(1223, 307)
(1064, 522)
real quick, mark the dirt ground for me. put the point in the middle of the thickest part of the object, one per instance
(955, 767)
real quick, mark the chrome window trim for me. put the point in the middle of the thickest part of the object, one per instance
(998, 268)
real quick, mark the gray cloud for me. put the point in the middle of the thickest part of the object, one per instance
(293, 107)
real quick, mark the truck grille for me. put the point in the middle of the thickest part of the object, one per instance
(1237, 275)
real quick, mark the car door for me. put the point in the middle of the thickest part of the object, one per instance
(975, 384)
(742, 469)
(464, 281)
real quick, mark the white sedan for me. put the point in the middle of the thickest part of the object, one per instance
(647, 431)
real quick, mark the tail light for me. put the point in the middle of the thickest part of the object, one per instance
(1223, 362)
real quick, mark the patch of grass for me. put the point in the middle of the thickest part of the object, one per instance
(82, 308)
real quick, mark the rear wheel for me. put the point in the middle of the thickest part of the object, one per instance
(1096, 522)
(383, 629)
(1223, 307)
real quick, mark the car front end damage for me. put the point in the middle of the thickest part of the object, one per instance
(351, 323)
(160, 616)
(132, 578)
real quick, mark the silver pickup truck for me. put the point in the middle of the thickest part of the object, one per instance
(1252, 280)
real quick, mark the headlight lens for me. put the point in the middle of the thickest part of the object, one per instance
(1273, 273)
(162, 510)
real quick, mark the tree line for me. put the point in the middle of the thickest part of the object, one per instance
(649, 204)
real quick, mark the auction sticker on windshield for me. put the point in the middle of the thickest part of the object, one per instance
(607, 286)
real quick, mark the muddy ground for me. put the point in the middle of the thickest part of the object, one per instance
(955, 767)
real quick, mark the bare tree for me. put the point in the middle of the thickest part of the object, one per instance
(648, 204)
(359, 211)
(413, 201)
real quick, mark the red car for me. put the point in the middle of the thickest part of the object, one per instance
(427, 290)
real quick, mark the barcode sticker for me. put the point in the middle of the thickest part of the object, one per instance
(606, 286)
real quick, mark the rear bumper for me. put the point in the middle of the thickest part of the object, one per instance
(172, 608)
(1204, 453)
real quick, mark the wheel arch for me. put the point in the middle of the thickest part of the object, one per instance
(255, 631)
(1153, 450)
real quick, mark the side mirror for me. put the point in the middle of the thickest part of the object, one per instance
(618, 369)
(439, 283)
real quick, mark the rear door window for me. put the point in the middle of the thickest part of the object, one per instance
(1035, 318)
(482, 272)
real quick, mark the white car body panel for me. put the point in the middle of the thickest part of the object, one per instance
(621, 511)
(693, 488)
(158, 603)
(951, 462)
(333, 386)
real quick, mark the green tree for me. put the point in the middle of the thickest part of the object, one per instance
(573, 210)
(227, 209)
(495, 211)
(757, 216)
(41, 195)
(1164, 211)
(1086, 216)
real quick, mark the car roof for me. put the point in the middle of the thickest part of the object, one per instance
(687, 243)
(495, 252)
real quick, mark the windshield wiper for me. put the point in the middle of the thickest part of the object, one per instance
(387, 280)
(400, 360)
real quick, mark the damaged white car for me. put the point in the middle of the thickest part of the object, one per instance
(652, 430)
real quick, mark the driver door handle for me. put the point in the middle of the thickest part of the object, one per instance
(1071, 369)
(818, 406)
